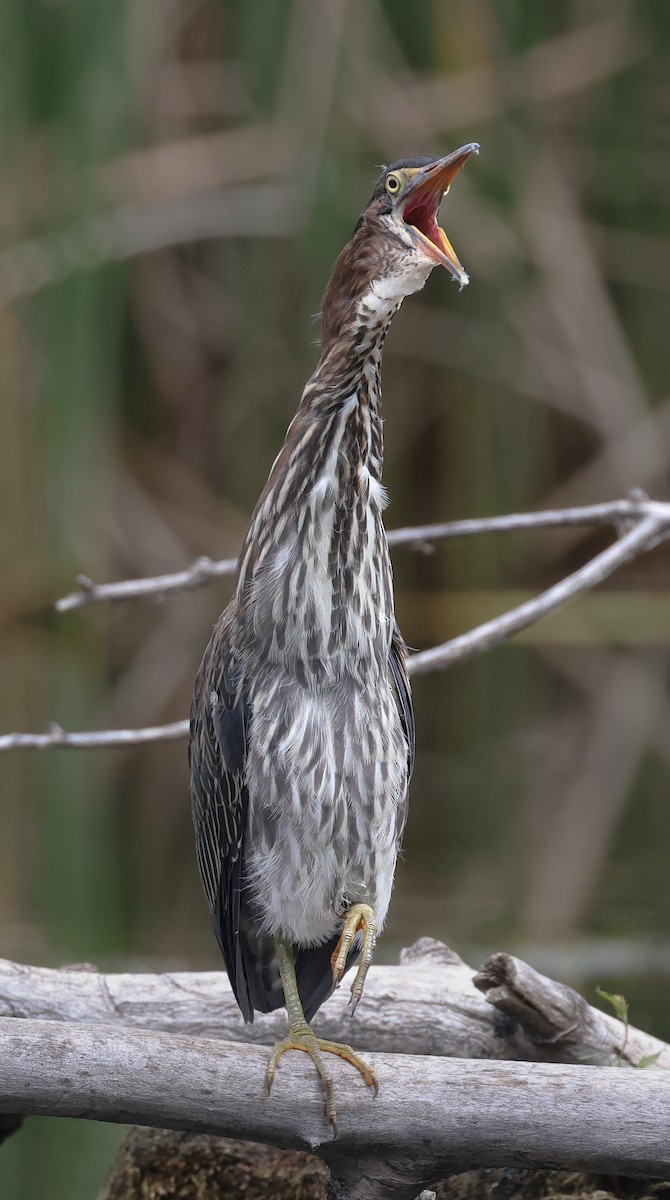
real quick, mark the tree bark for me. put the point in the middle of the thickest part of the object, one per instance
(164, 1163)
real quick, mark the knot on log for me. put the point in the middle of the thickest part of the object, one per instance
(549, 1012)
(430, 950)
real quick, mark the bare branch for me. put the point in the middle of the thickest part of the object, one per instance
(55, 737)
(204, 570)
(650, 521)
(614, 512)
(641, 537)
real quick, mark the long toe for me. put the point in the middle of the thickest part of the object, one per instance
(306, 1040)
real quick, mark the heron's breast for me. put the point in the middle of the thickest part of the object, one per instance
(327, 780)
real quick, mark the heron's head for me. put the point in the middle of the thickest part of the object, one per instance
(397, 240)
(404, 208)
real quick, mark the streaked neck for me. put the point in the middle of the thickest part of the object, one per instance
(315, 577)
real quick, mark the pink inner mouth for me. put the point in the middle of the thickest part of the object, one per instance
(422, 217)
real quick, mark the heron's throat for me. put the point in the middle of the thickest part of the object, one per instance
(354, 322)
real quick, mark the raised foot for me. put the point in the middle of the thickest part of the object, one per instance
(360, 916)
(305, 1039)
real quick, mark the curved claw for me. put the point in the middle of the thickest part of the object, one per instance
(359, 917)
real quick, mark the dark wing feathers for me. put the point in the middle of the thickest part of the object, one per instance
(217, 753)
(403, 695)
(403, 698)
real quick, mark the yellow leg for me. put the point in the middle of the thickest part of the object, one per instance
(359, 916)
(301, 1037)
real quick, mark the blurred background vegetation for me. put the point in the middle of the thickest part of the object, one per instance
(177, 178)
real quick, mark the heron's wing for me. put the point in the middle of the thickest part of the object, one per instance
(217, 753)
(403, 698)
(403, 695)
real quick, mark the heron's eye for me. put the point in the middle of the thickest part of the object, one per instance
(393, 184)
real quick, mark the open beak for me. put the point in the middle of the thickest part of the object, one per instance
(420, 204)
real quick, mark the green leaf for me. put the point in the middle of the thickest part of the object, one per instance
(648, 1060)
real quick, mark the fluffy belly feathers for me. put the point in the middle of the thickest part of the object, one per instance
(327, 804)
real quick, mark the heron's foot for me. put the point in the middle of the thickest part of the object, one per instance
(304, 1038)
(359, 917)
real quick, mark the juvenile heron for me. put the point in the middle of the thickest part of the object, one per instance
(302, 733)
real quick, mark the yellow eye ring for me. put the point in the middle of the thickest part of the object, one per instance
(393, 184)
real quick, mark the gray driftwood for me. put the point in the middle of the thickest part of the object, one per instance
(432, 1003)
(433, 1115)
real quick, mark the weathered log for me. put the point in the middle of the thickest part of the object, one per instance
(434, 1116)
(431, 1004)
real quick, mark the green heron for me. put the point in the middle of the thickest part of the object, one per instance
(302, 731)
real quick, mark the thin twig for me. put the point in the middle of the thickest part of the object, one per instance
(204, 570)
(615, 512)
(56, 737)
(653, 525)
(476, 641)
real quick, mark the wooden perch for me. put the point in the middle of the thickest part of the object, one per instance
(432, 1003)
(433, 1115)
